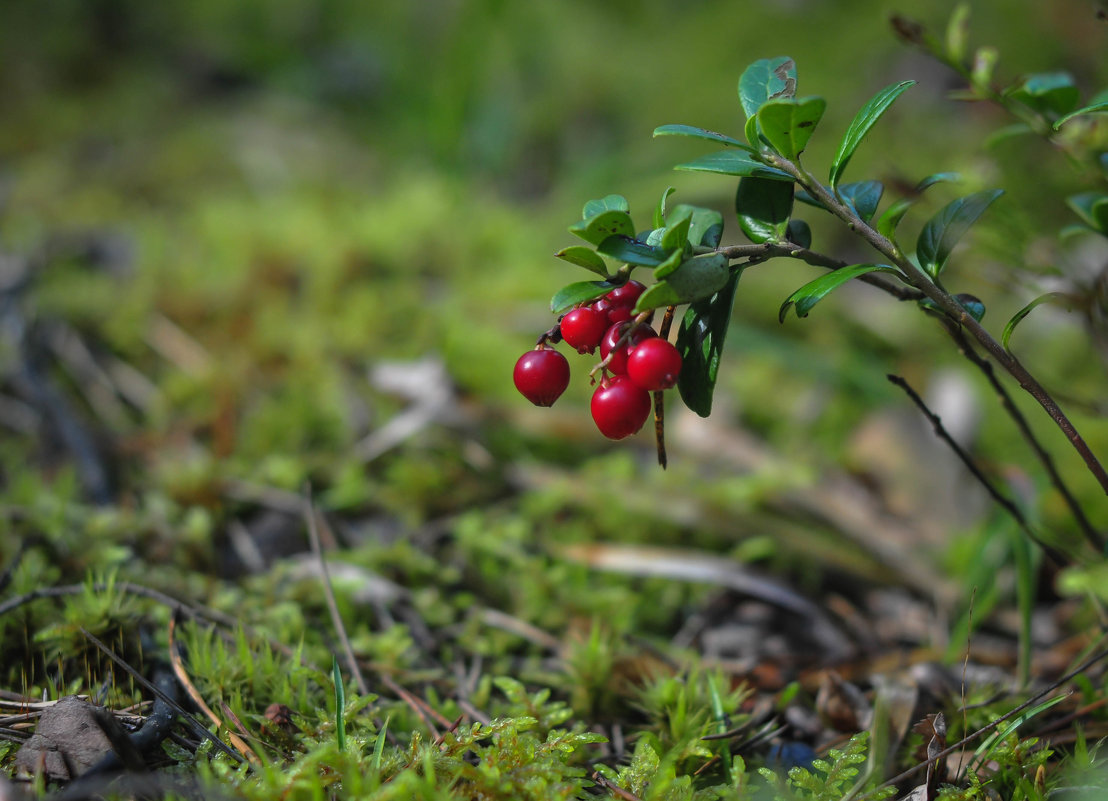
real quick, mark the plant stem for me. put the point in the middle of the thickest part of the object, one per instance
(922, 282)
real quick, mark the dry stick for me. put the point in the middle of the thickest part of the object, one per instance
(931, 760)
(194, 724)
(923, 282)
(1044, 457)
(329, 592)
(1006, 503)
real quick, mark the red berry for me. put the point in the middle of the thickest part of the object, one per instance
(541, 376)
(625, 295)
(619, 407)
(618, 364)
(584, 328)
(617, 314)
(654, 364)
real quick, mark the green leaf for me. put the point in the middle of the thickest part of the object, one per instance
(763, 208)
(1092, 207)
(1010, 326)
(584, 257)
(863, 197)
(957, 30)
(728, 162)
(700, 341)
(942, 232)
(609, 203)
(340, 704)
(700, 133)
(1048, 93)
(814, 291)
(788, 124)
(863, 121)
(799, 233)
(886, 225)
(579, 292)
(766, 79)
(1092, 108)
(632, 251)
(669, 265)
(706, 229)
(597, 228)
(660, 210)
(676, 235)
(695, 278)
(972, 304)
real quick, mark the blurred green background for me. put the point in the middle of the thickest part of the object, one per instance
(242, 211)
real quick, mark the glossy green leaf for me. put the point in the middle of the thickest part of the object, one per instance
(972, 304)
(814, 291)
(863, 197)
(700, 340)
(700, 133)
(788, 124)
(669, 265)
(631, 251)
(799, 233)
(660, 209)
(1048, 93)
(695, 278)
(584, 257)
(766, 79)
(579, 292)
(763, 208)
(869, 114)
(340, 704)
(1092, 208)
(1092, 108)
(706, 229)
(942, 232)
(887, 223)
(652, 237)
(609, 203)
(729, 162)
(599, 227)
(1010, 326)
(676, 235)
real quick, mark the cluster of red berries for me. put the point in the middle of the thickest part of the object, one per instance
(635, 360)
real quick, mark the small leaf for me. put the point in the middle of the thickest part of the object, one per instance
(942, 232)
(706, 229)
(660, 210)
(599, 227)
(728, 162)
(972, 304)
(863, 197)
(863, 121)
(676, 235)
(888, 221)
(984, 62)
(631, 251)
(763, 208)
(814, 291)
(1091, 109)
(956, 32)
(340, 704)
(579, 292)
(764, 80)
(669, 265)
(1007, 132)
(1010, 326)
(700, 133)
(1092, 207)
(609, 203)
(799, 233)
(1048, 93)
(584, 257)
(700, 341)
(693, 279)
(788, 124)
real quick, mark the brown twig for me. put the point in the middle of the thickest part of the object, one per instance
(1003, 501)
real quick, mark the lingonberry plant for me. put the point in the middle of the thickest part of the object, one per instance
(682, 249)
